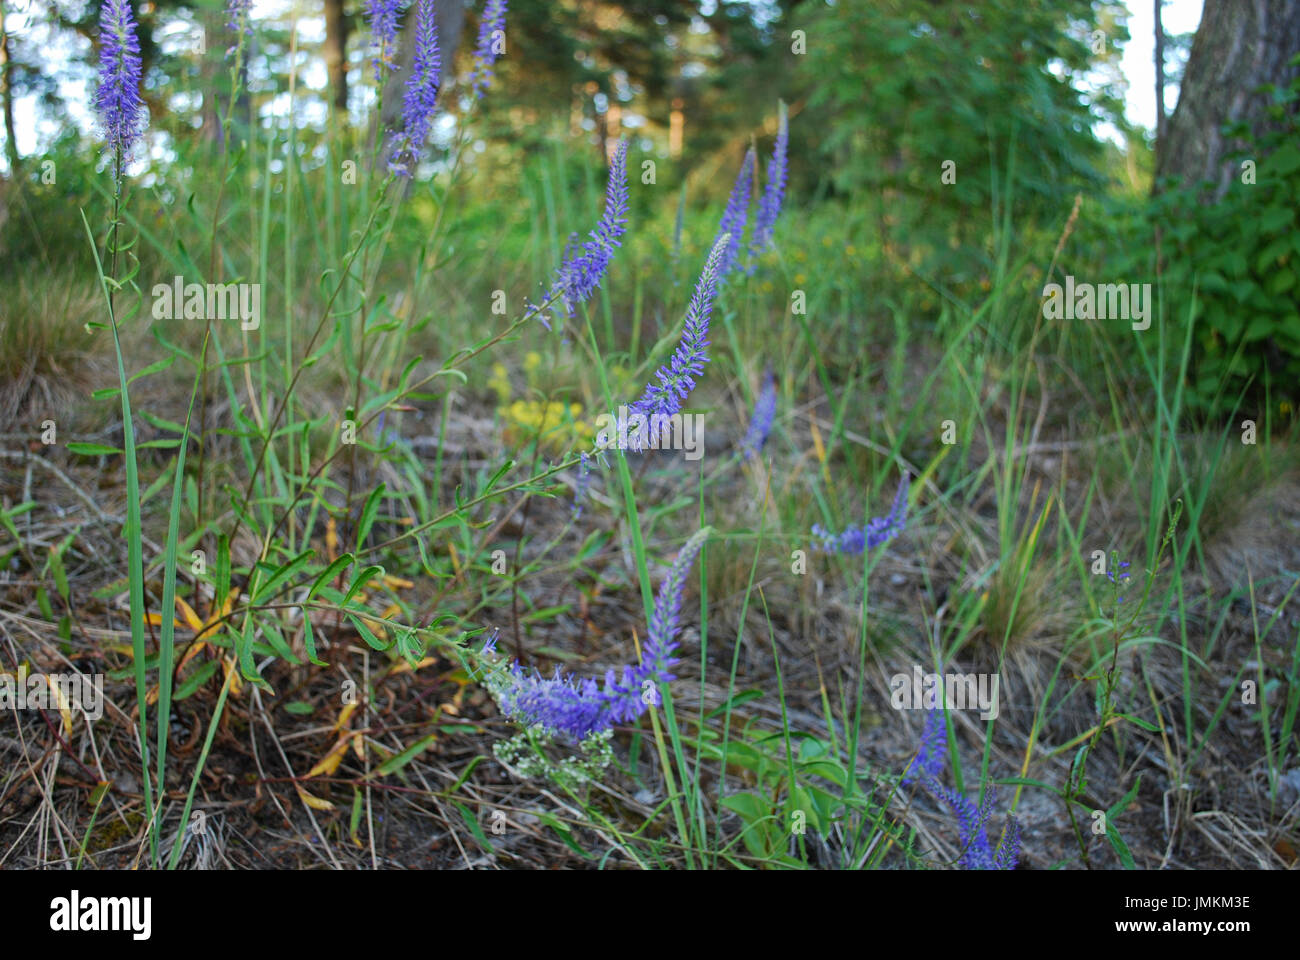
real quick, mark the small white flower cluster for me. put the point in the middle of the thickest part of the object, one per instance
(525, 755)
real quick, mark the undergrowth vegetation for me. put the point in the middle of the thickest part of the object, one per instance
(326, 502)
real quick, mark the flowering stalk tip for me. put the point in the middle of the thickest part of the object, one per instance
(760, 424)
(421, 97)
(736, 214)
(117, 95)
(491, 44)
(584, 267)
(769, 206)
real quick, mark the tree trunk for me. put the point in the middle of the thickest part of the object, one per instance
(1239, 45)
(7, 96)
(1160, 79)
(336, 54)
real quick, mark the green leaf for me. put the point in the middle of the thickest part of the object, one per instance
(364, 577)
(309, 639)
(281, 574)
(472, 822)
(330, 573)
(195, 680)
(94, 449)
(368, 513)
(1144, 724)
(368, 635)
(395, 763)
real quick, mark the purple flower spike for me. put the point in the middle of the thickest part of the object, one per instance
(238, 13)
(736, 214)
(676, 378)
(584, 267)
(383, 16)
(117, 96)
(421, 96)
(577, 708)
(1008, 854)
(878, 531)
(976, 852)
(769, 206)
(930, 758)
(491, 43)
(760, 424)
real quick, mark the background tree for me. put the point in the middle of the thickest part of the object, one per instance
(1241, 54)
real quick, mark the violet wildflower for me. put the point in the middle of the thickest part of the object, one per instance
(1008, 854)
(760, 424)
(930, 757)
(383, 16)
(491, 43)
(580, 488)
(584, 267)
(577, 708)
(736, 214)
(977, 851)
(421, 95)
(117, 96)
(676, 378)
(878, 531)
(1118, 582)
(769, 206)
(237, 17)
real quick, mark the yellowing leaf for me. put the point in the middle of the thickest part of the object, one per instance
(330, 762)
(344, 715)
(232, 675)
(64, 707)
(187, 612)
(316, 803)
(331, 540)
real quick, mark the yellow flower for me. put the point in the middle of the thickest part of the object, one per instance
(800, 256)
(553, 422)
(800, 278)
(851, 250)
(499, 382)
(826, 241)
(767, 286)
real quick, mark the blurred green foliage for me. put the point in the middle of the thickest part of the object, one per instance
(1240, 257)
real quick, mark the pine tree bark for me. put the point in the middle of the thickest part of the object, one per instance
(1239, 45)
(336, 54)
